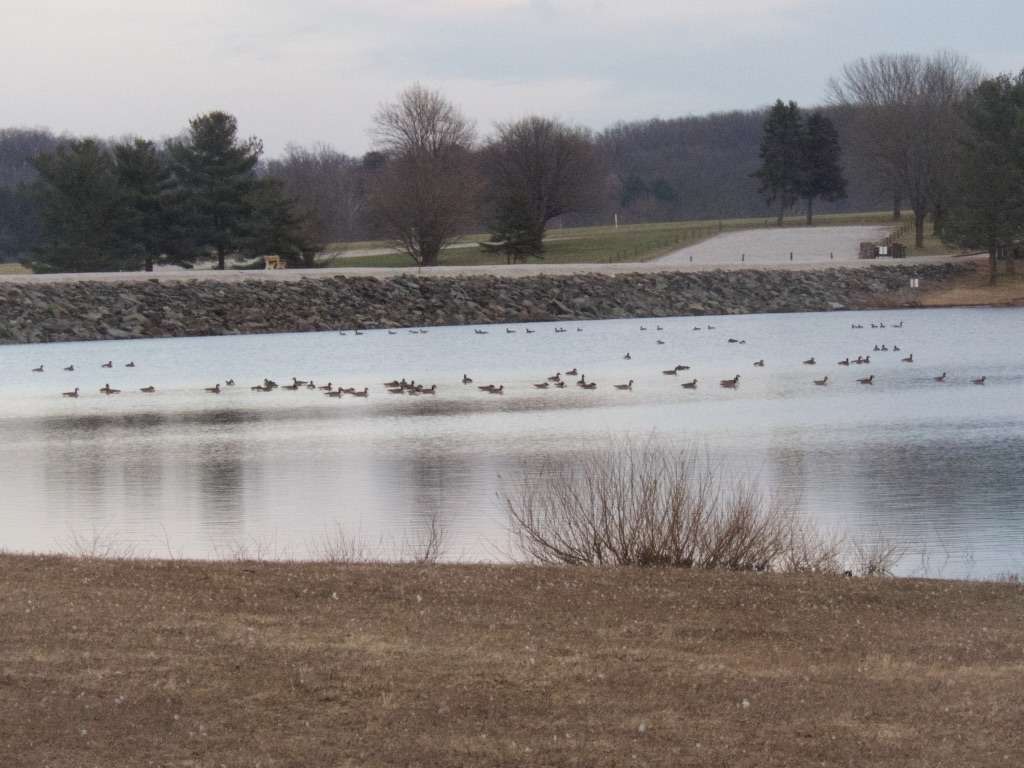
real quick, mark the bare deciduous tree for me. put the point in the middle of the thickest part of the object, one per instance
(537, 169)
(425, 191)
(328, 188)
(907, 122)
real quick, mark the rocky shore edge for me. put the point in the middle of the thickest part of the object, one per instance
(92, 310)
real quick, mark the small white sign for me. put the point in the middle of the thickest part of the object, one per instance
(883, 250)
(915, 282)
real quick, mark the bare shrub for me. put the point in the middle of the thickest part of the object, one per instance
(649, 505)
(430, 543)
(337, 546)
(878, 556)
(98, 544)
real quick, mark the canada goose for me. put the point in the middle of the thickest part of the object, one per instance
(845, 362)
(659, 328)
(311, 385)
(397, 383)
(364, 392)
(106, 390)
(299, 382)
(821, 382)
(869, 380)
(711, 327)
(214, 390)
(876, 349)
(38, 370)
(899, 324)
(582, 382)
(509, 330)
(556, 378)
(628, 386)
(466, 379)
(498, 390)
(230, 383)
(334, 393)
(560, 384)
(627, 356)
(72, 393)
(884, 348)
(579, 330)
(359, 333)
(572, 372)
(643, 327)
(130, 364)
(486, 387)
(810, 361)
(731, 383)
(431, 390)
(326, 387)
(660, 341)
(672, 371)
(108, 364)
(479, 332)
(734, 341)
(291, 387)
(148, 390)
(690, 384)
(759, 363)
(259, 388)
(396, 390)
(424, 330)
(941, 378)
(908, 359)
(529, 331)
(895, 348)
(589, 385)
(978, 381)
(69, 368)
(545, 385)
(270, 384)
(392, 333)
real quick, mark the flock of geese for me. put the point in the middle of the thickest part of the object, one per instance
(558, 380)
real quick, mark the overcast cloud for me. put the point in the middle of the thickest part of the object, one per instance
(310, 71)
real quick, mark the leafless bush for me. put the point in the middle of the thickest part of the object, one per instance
(98, 544)
(648, 505)
(878, 556)
(430, 543)
(337, 546)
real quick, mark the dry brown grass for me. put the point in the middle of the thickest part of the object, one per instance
(974, 290)
(134, 663)
(13, 269)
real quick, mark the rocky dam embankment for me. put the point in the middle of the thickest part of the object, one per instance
(90, 310)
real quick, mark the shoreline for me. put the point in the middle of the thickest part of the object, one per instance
(122, 663)
(66, 308)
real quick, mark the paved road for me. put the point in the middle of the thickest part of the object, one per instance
(773, 246)
(810, 251)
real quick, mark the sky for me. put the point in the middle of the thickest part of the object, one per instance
(314, 71)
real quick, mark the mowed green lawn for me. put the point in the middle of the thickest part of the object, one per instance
(602, 245)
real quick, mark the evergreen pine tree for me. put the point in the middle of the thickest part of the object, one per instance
(821, 174)
(214, 170)
(987, 208)
(274, 226)
(780, 171)
(83, 210)
(147, 183)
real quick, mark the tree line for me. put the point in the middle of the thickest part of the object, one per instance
(926, 132)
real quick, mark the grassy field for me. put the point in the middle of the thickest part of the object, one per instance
(636, 242)
(13, 269)
(129, 663)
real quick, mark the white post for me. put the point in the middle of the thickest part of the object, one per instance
(616, 221)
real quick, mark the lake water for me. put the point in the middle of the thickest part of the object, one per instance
(934, 466)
